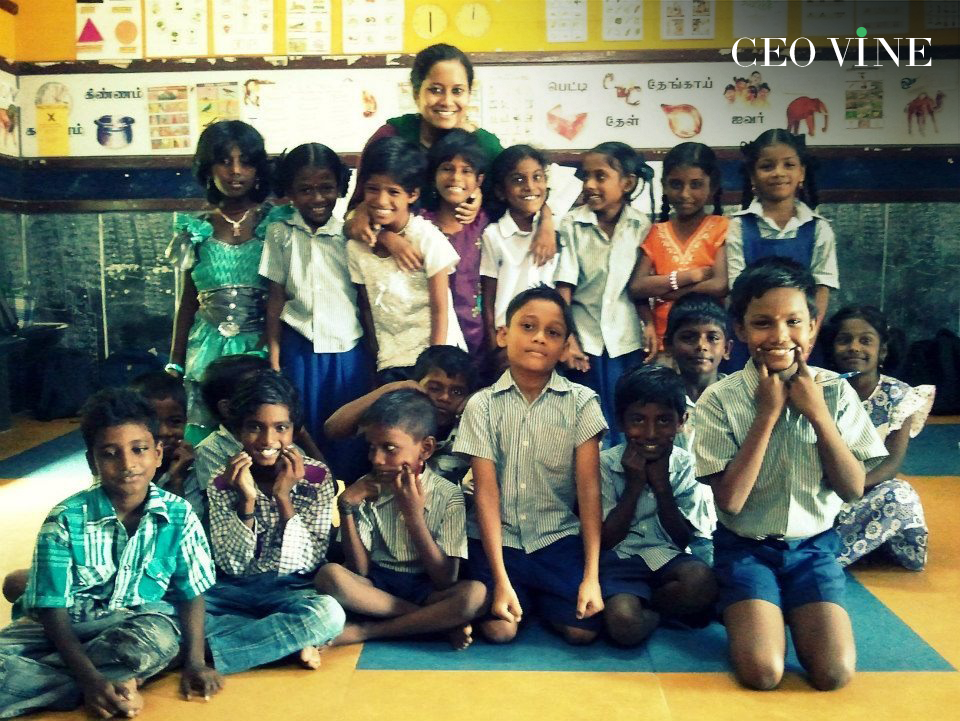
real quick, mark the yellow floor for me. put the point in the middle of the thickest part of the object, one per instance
(928, 602)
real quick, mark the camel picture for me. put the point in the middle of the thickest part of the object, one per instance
(920, 107)
(805, 109)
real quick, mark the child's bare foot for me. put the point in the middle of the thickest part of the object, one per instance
(310, 658)
(352, 633)
(134, 700)
(460, 638)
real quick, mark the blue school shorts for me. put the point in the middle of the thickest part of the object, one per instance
(633, 575)
(547, 580)
(412, 587)
(786, 573)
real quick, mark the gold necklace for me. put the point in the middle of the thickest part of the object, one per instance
(235, 223)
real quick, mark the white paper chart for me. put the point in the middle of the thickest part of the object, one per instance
(886, 18)
(175, 28)
(566, 21)
(687, 19)
(622, 19)
(372, 26)
(243, 27)
(110, 30)
(759, 17)
(939, 15)
(308, 27)
(828, 17)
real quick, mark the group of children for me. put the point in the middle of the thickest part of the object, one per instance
(521, 455)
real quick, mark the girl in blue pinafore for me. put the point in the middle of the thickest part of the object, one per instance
(781, 221)
(217, 254)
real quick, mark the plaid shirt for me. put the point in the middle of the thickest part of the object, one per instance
(85, 561)
(299, 547)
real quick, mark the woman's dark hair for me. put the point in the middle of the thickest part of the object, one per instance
(223, 375)
(266, 387)
(693, 155)
(650, 384)
(503, 165)
(114, 407)
(778, 136)
(768, 274)
(626, 161)
(455, 142)
(396, 158)
(430, 56)
(872, 316)
(215, 144)
(309, 155)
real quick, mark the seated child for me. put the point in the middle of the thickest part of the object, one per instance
(403, 312)
(169, 400)
(270, 517)
(783, 446)
(534, 443)
(447, 375)
(403, 534)
(653, 507)
(106, 559)
(697, 340)
(889, 516)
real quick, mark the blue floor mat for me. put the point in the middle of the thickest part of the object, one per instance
(884, 643)
(934, 452)
(62, 449)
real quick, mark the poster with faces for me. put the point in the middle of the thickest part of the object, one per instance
(622, 19)
(687, 19)
(109, 30)
(243, 27)
(372, 26)
(175, 28)
(566, 21)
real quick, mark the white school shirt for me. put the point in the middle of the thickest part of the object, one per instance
(823, 263)
(600, 268)
(400, 300)
(505, 255)
(312, 267)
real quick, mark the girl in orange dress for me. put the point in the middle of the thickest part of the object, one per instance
(683, 253)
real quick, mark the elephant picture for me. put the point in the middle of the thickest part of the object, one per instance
(805, 109)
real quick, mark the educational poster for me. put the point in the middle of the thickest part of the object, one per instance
(109, 30)
(169, 113)
(863, 109)
(566, 21)
(175, 28)
(372, 26)
(217, 101)
(308, 27)
(509, 111)
(622, 20)
(920, 104)
(941, 14)
(759, 17)
(687, 19)
(826, 17)
(891, 17)
(243, 27)
(9, 116)
(52, 104)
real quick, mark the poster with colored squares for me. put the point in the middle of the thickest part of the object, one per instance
(109, 30)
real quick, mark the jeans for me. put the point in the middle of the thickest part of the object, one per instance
(262, 618)
(122, 645)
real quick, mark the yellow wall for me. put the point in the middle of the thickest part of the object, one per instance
(44, 29)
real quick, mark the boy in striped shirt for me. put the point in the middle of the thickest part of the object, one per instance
(534, 442)
(107, 561)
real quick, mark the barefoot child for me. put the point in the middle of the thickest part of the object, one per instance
(105, 558)
(653, 508)
(783, 446)
(403, 534)
(270, 516)
(534, 442)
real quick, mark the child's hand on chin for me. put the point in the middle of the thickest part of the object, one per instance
(805, 394)
(771, 392)
(239, 475)
(363, 489)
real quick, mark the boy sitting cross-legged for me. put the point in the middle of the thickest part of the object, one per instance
(654, 507)
(403, 534)
(107, 561)
(534, 440)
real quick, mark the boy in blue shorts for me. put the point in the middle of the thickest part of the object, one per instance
(653, 508)
(403, 534)
(534, 442)
(783, 445)
(107, 562)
